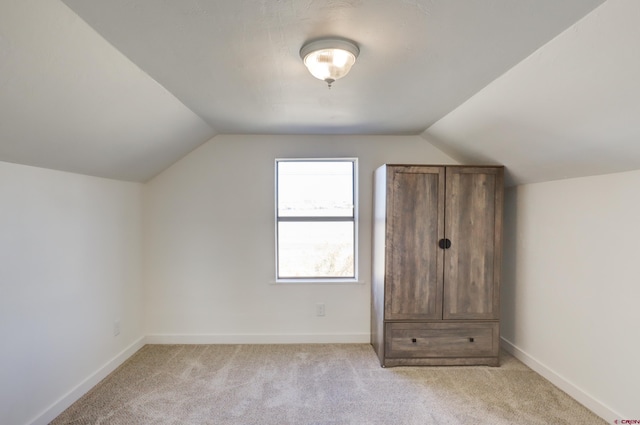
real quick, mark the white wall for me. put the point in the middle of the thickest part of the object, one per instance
(571, 286)
(70, 267)
(209, 243)
(70, 249)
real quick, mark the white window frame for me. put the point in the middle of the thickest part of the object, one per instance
(278, 219)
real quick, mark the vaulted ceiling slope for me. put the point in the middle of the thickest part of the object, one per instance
(571, 109)
(70, 101)
(123, 88)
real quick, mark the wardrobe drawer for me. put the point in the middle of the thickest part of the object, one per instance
(463, 339)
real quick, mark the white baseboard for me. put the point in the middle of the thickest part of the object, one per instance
(357, 338)
(581, 396)
(81, 389)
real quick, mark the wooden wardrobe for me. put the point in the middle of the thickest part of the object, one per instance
(436, 272)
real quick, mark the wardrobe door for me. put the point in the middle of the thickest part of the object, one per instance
(415, 224)
(473, 216)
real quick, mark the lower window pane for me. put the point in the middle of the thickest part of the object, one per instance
(315, 249)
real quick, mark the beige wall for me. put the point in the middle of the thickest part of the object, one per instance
(69, 268)
(572, 287)
(72, 265)
(209, 243)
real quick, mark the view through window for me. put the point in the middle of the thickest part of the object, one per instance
(316, 218)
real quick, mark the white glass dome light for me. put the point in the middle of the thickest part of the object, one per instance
(329, 59)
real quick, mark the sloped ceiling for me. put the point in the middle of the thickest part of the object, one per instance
(237, 64)
(571, 109)
(70, 101)
(123, 88)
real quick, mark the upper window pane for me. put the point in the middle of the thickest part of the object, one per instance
(315, 189)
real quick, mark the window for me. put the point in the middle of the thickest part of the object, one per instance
(316, 212)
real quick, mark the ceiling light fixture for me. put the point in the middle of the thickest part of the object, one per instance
(329, 59)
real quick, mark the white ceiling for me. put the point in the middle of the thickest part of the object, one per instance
(123, 88)
(571, 109)
(70, 101)
(236, 63)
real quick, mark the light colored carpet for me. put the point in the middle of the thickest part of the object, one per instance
(318, 384)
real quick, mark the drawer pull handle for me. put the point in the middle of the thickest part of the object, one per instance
(414, 340)
(471, 339)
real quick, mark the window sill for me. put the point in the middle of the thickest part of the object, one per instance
(317, 281)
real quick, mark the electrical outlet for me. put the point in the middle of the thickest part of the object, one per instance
(116, 328)
(320, 309)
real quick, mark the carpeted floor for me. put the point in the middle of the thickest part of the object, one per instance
(319, 384)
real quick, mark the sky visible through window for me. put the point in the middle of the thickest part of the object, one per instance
(316, 225)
